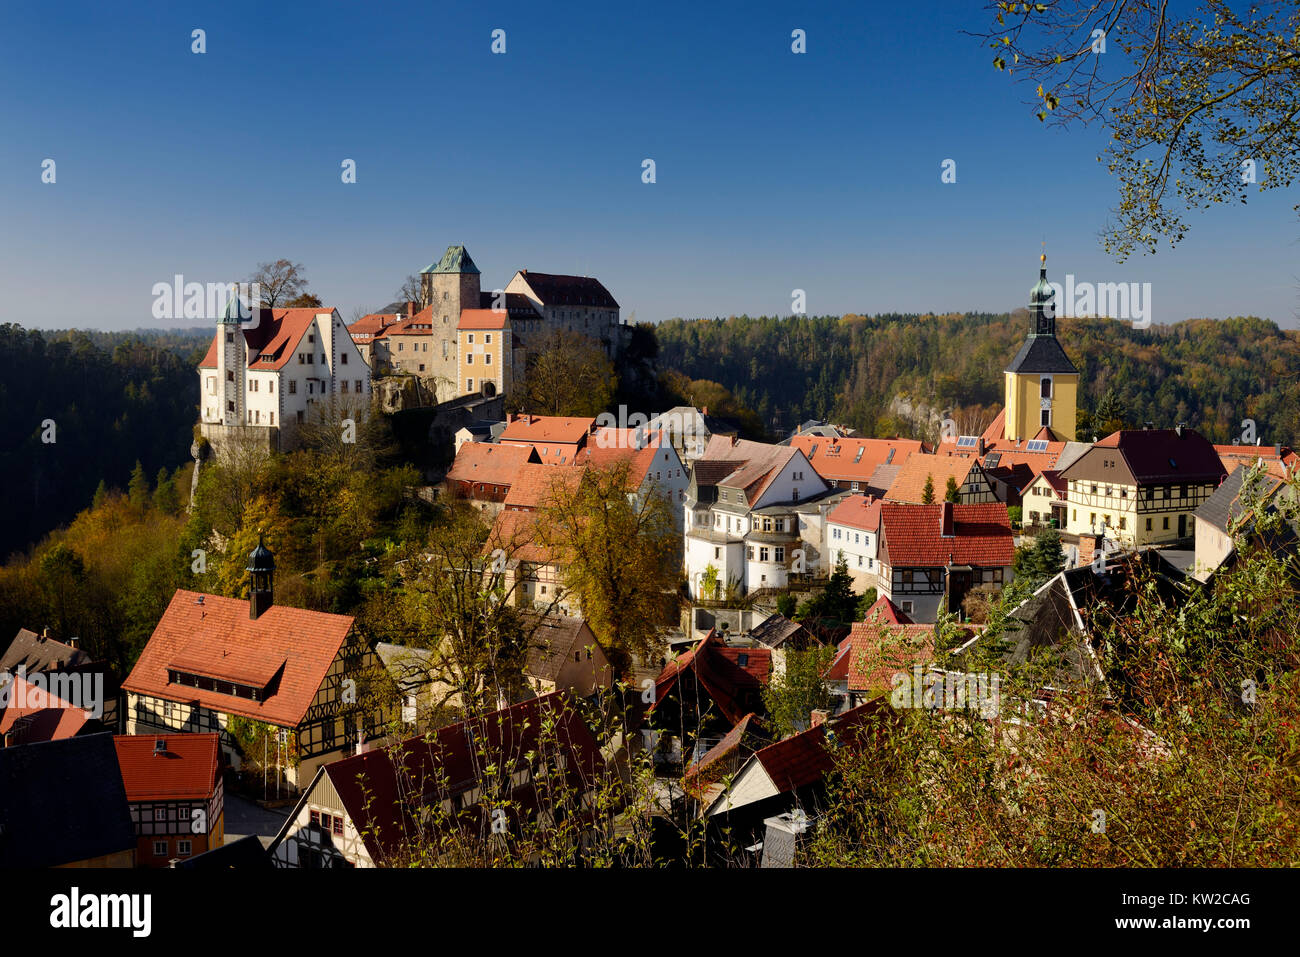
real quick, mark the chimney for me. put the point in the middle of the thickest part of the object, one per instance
(945, 520)
(45, 633)
(983, 447)
(410, 307)
(819, 716)
(1277, 449)
(73, 643)
(159, 747)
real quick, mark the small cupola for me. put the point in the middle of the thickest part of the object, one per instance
(261, 570)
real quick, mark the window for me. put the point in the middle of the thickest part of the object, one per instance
(762, 554)
(1045, 387)
(1166, 523)
(1123, 522)
(230, 337)
(487, 359)
(272, 414)
(338, 825)
(907, 607)
(345, 383)
(160, 848)
(315, 818)
(230, 376)
(1045, 418)
(311, 337)
(358, 389)
(469, 358)
(471, 338)
(343, 359)
(184, 848)
(293, 386)
(160, 813)
(487, 338)
(577, 656)
(1148, 524)
(779, 553)
(270, 385)
(444, 348)
(469, 385)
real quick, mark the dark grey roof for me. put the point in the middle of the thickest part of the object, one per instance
(40, 654)
(1225, 504)
(245, 854)
(775, 631)
(1042, 354)
(61, 802)
(556, 639)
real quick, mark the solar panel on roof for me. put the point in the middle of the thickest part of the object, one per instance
(1036, 445)
(890, 457)
(858, 458)
(966, 441)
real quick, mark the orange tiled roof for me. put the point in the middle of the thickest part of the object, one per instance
(534, 484)
(874, 651)
(488, 463)
(857, 511)
(909, 486)
(852, 459)
(187, 770)
(218, 639)
(482, 319)
(515, 533)
(565, 430)
(50, 717)
(272, 341)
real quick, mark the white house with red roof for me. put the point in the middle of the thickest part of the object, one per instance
(931, 554)
(268, 373)
(853, 533)
(746, 509)
(214, 662)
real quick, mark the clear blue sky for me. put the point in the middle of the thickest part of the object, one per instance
(775, 171)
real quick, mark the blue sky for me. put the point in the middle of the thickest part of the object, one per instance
(775, 171)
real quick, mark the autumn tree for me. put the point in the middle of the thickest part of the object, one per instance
(305, 300)
(1202, 106)
(793, 694)
(621, 555)
(568, 375)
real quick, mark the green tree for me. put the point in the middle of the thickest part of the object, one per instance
(927, 493)
(1201, 107)
(137, 489)
(951, 493)
(792, 695)
(165, 497)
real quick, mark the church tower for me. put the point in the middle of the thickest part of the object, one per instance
(1042, 383)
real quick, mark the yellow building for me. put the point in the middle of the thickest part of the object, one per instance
(485, 353)
(1042, 383)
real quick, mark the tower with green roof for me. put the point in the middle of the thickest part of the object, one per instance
(450, 285)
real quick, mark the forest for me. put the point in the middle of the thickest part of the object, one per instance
(1209, 374)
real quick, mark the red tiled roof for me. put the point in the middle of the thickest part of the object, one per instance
(515, 532)
(803, 758)
(272, 341)
(911, 535)
(367, 327)
(857, 511)
(852, 459)
(909, 486)
(885, 610)
(618, 446)
(296, 646)
(875, 651)
(188, 770)
(718, 669)
(534, 429)
(1233, 455)
(534, 484)
(379, 800)
(488, 463)
(44, 716)
(482, 319)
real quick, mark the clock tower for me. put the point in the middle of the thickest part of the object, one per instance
(1042, 383)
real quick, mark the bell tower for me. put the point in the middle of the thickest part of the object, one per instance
(1042, 383)
(261, 571)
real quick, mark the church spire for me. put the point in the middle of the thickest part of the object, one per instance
(1042, 303)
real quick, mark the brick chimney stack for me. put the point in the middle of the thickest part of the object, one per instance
(945, 520)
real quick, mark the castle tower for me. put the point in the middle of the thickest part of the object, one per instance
(1042, 383)
(232, 363)
(450, 285)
